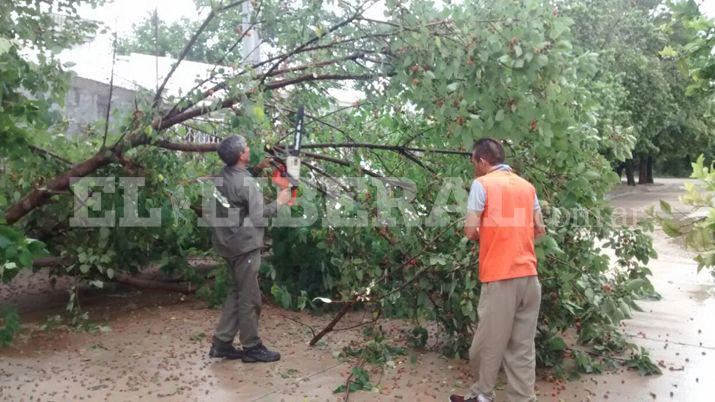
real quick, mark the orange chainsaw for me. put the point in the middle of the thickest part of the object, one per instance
(287, 173)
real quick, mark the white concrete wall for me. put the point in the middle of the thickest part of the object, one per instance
(86, 104)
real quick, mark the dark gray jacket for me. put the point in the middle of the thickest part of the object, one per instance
(243, 192)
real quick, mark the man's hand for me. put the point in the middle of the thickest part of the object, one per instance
(539, 226)
(263, 164)
(283, 196)
(471, 226)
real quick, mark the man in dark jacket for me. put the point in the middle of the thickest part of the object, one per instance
(240, 243)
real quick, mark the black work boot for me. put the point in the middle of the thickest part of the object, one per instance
(259, 353)
(478, 398)
(224, 350)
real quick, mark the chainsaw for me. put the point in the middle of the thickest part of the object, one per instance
(286, 173)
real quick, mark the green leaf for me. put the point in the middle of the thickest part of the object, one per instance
(500, 115)
(542, 60)
(453, 86)
(635, 284)
(671, 227)
(665, 206)
(668, 52)
(557, 344)
(25, 259)
(4, 242)
(5, 46)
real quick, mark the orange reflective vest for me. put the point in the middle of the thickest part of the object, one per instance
(506, 229)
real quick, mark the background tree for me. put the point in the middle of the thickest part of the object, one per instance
(629, 38)
(152, 35)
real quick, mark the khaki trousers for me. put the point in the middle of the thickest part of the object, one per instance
(508, 311)
(242, 307)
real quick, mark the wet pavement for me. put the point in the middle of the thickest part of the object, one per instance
(156, 348)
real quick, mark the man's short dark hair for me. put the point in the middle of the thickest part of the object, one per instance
(488, 149)
(231, 148)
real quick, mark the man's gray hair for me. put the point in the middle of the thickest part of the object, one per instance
(230, 149)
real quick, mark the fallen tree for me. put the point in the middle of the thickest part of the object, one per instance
(433, 80)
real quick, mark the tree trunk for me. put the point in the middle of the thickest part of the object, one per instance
(140, 283)
(649, 170)
(642, 170)
(41, 195)
(619, 170)
(629, 173)
(135, 281)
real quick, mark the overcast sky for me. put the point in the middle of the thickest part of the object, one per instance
(119, 15)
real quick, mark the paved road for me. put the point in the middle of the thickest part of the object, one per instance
(679, 330)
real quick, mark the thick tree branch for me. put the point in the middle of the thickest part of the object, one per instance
(185, 114)
(325, 63)
(141, 283)
(133, 281)
(49, 155)
(186, 147)
(223, 85)
(323, 77)
(396, 148)
(40, 195)
(327, 158)
(314, 39)
(344, 310)
(213, 70)
(61, 183)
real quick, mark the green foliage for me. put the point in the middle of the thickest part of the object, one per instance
(375, 350)
(198, 337)
(17, 252)
(644, 93)
(698, 225)
(215, 293)
(152, 35)
(585, 364)
(359, 381)
(10, 326)
(641, 361)
(77, 319)
(31, 83)
(281, 295)
(418, 337)
(694, 53)
(553, 351)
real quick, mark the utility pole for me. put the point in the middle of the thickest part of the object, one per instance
(156, 50)
(251, 50)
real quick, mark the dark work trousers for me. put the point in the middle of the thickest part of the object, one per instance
(242, 307)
